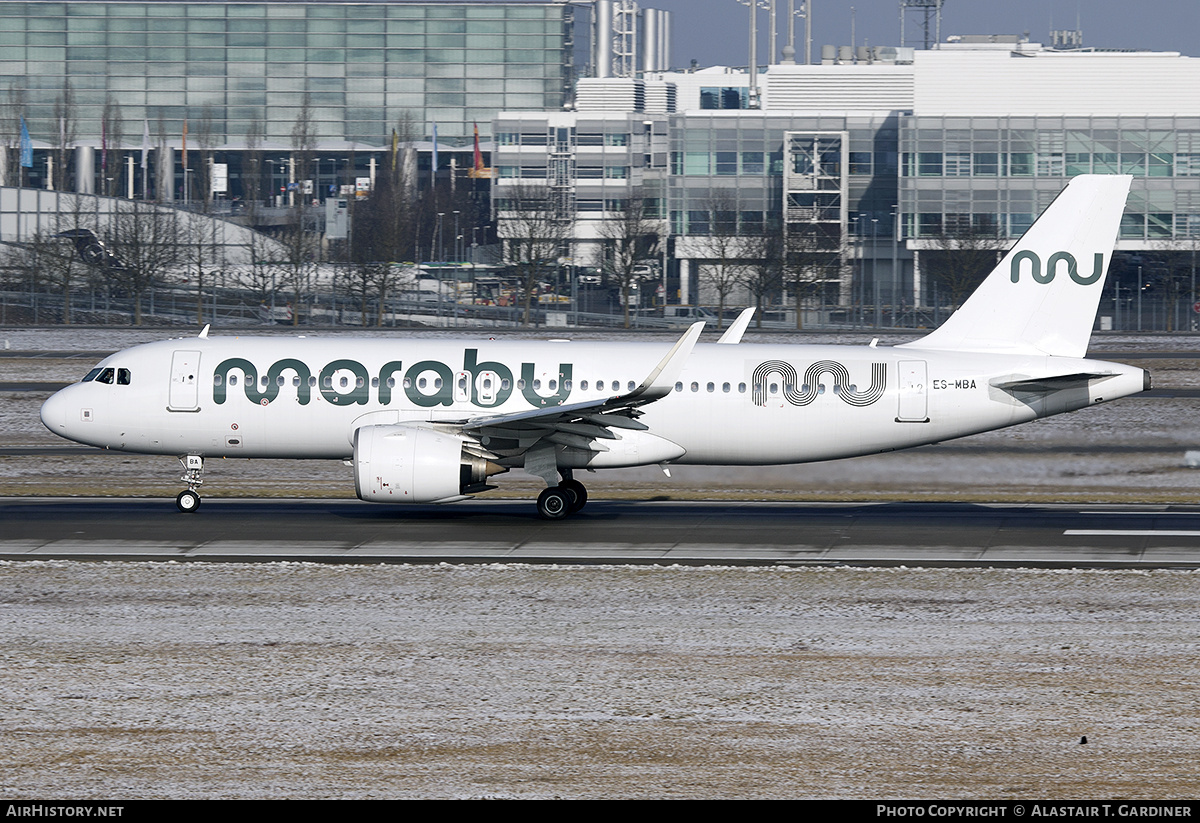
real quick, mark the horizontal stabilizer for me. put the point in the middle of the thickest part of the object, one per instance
(1053, 383)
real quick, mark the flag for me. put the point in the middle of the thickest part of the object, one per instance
(478, 153)
(26, 146)
(145, 143)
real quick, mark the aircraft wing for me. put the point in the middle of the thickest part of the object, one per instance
(581, 425)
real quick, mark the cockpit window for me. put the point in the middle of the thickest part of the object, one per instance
(106, 376)
(92, 375)
(123, 377)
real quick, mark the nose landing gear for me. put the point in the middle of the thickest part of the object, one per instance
(189, 499)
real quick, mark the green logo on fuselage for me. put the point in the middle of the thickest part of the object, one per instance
(484, 384)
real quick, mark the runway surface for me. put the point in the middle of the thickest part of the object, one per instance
(699, 533)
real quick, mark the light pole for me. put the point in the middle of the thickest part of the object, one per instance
(1139, 300)
(875, 270)
(895, 274)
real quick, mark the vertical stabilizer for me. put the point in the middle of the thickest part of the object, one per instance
(1042, 297)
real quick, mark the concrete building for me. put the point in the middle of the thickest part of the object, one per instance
(889, 148)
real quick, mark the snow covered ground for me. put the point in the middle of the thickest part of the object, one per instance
(298, 680)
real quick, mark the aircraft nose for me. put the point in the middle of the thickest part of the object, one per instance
(54, 413)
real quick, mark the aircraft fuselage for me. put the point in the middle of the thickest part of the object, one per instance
(746, 404)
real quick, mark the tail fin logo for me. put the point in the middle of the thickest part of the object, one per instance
(1035, 267)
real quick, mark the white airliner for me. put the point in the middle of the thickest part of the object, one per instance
(430, 421)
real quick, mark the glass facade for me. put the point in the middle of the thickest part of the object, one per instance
(592, 165)
(742, 156)
(1002, 172)
(229, 68)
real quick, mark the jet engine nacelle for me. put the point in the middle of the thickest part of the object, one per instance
(408, 464)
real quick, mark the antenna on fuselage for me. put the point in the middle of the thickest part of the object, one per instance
(204, 331)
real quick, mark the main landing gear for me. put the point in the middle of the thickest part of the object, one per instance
(557, 502)
(189, 499)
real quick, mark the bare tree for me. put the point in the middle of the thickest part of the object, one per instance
(304, 144)
(201, 255)
(112, 152)
(11, 111)
(763, 274)
(534, 234)
(301, 246)
(384, 230)
(65, 120)
(206, 140)
(1170, 275)
(964, 252)
(813, 257)
(252, 170)
(301, 250)
(632, 236)
(724, 250)
(145, 249)
(57, 256)
(263, 273)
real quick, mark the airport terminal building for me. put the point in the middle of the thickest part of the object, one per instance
(880, 152)
(238, 74)
(893, 151)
